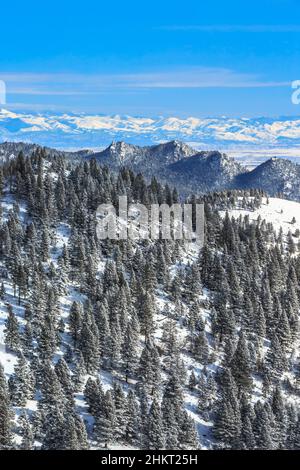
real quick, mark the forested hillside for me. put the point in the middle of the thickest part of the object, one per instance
(143, 344)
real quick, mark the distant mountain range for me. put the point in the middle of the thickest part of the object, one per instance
(180, 165)
(238, 136)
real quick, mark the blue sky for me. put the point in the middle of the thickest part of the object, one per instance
(187, 58)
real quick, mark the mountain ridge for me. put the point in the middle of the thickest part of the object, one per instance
(204, 171)
(138, 158)
(180, 165)
(12, 149)
(276, 175)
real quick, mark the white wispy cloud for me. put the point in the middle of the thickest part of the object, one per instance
(229, 28)
(88, 84)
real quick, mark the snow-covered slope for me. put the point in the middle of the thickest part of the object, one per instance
(72, 293)
(278, 212)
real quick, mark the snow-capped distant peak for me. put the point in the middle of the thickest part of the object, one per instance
(83, 130)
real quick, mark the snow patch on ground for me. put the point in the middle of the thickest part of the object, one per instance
(278, 212)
